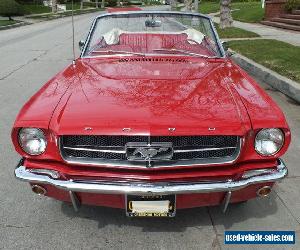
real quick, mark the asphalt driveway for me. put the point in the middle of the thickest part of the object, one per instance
(31, 55)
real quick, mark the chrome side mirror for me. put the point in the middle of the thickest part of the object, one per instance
(228, 52)
(225, 45)
(81, 44)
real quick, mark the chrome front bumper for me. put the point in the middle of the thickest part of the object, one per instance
(142, 188)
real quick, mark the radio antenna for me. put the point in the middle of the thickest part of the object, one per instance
(73, 35)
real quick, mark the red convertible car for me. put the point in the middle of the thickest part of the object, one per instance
(153, 117)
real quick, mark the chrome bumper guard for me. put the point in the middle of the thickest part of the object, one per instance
(143, 188)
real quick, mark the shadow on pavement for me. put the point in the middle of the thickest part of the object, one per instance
(259, 208)
(107, 216)
(195, 217)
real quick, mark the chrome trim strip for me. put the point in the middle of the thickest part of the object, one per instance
(143, 188)
(124, 151)
(97, 150)
(200, 149)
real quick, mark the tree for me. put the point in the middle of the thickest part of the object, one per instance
(225, 14)
(188, 5)
(173, 4)
(102, 4)
(54, 6)
(97, 4)
(10, 8)
(81, 4)
(196, 6)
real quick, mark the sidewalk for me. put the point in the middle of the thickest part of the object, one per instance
(266, 32)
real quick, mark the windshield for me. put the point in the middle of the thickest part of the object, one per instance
(152, 33)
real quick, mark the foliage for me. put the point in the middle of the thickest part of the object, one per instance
(10, 8)
(7, 22)
(35, 9)
(278, 56)
(292, 5)
(135, 2)
(111, 3)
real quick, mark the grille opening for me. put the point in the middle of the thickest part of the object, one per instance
(103, 149)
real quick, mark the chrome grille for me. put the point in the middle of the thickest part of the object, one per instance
(111, 150)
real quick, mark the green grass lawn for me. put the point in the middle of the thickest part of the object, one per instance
(7, 22)
(64, 14)
(209, 7)
(39, 9)
(35, 9)
(76, 6)
(250, 12)
(233, 32)
(275, 55)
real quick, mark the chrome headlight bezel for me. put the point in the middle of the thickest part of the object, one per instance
(269, 137)
(32, 141)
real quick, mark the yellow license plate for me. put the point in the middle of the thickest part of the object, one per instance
(151, 206)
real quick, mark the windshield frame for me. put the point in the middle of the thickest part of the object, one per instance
(126, 13)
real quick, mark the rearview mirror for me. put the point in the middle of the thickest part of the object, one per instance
(81, 44)
(152, 23)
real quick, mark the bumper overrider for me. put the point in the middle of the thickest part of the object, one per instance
(148, 188)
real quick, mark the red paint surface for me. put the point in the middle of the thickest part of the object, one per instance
(150, 95)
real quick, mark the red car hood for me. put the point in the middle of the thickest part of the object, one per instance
(195, 97)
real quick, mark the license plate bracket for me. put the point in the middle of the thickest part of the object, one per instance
(150, 205)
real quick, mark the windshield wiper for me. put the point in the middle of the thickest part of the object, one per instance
(117, 52)
(185, 52)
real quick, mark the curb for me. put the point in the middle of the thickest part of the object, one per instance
(279, 82)
(16, 25)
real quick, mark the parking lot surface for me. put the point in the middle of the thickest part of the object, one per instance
(30, 56)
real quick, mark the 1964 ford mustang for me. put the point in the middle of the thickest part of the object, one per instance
(153, 117)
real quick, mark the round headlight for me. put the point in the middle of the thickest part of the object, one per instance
(269, 141)
(32, 141)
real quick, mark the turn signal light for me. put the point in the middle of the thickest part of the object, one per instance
(264, 191)
(38, 190)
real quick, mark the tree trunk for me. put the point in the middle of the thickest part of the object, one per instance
(173, 4)
(225, 14)
(54, 6)
(118, 3)
(196, 6)
(10, 18)
(188, 5)
(81, 4)
(97, 4)
(103, 4)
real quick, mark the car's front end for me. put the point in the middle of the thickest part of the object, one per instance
(151, 132)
